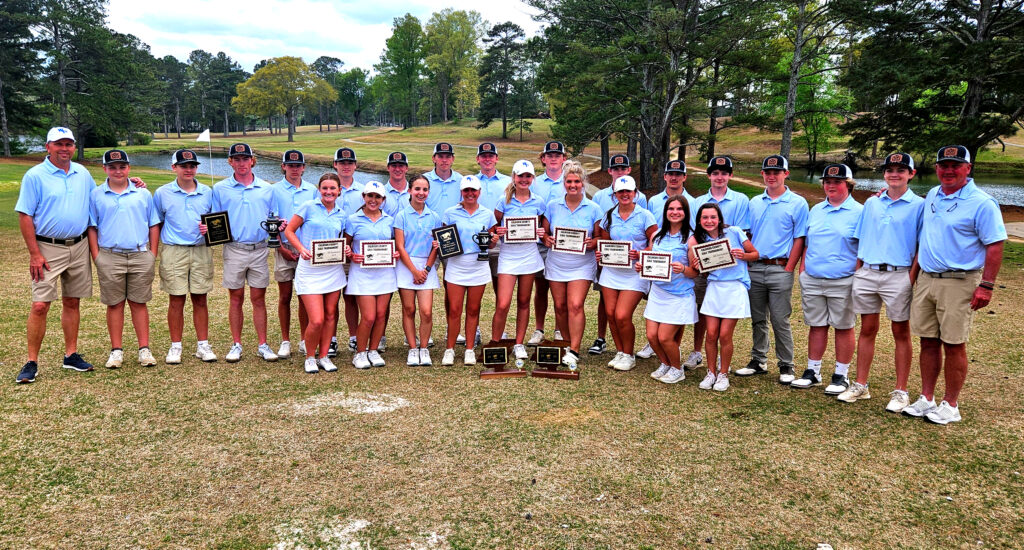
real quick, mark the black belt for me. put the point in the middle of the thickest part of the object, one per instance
(774, 261)
(61, 242)
(887, 267)
(952, 274)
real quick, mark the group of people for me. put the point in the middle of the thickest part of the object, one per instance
(931, 261)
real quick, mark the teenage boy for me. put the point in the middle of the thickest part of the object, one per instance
(888, 232)
(248, 201)
(492, 191)
(778, 227)
(124, 232)
(350, 198)
(444, 182)
(548, 186)
(186, 263)
(292, 191)
(397, 187)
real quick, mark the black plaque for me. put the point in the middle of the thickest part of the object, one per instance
(448, 241)
(218, 228)
(549, 355)
(496, 356)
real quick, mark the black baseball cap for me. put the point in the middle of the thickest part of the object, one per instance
(293, 156)
(554, 147)
(398, 157)
(444, 148)
(618, 161)
(344, 154)
(720, 163)
(240, 150)
(958, 153)
(840, 171)
(675, 166)
(775, 162)
(899, 159)
(486, 147)
(115, 155)
(184, 156)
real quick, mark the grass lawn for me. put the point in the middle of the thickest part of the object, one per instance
(257, 455)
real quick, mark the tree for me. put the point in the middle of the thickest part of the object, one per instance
(401, 66)
(282, 86)
(327, 68)
(501, 65)
(20, 66)
(453, 55)
(174, 75)
(61, 25)
(353, 91)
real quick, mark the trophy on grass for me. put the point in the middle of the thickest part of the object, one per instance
(483, 240)
(548, 356)
(272, 225)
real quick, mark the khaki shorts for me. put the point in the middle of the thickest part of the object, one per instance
(492, 260)
(70, 265)
(942, 307)
(700, 288)
(125, 276)
(245, 264)
(826, 302)
(186, 269)
(284, 270)
(872, 288)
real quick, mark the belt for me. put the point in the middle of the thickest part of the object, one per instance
(62, 242)
(952, 274)
(774, 261)
(113, 250)
(887, 267)
(248, 246)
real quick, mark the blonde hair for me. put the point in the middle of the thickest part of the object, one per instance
(574, 167)
(510, 189)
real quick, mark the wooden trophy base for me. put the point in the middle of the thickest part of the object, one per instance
(502, 371)
(554, 370)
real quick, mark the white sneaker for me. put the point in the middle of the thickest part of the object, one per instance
(326, 364)
(856, 392)
(234, 354)
(302, 347)
(425, 357)
(661, 371)
(173, 355)
(430, 342)
(383, 345)
(920, 408)
(537, 338)
(460, 340)
(360, 361)
(693, 360)
(626, 363)
(673, 376)
(944, 414)
(146, 358)
(448, 359)
(519, 351)
(205, 353)
(414, 358)
(504, 336)
(722, 382)
(570, 359)
(469, 358)
(899, 401)
(310, 365)
(646, 353)
(615, 360)
(708, 382)
(266, 353)
(558, 335)
(375, 359)
(115, 359)
(285, 351)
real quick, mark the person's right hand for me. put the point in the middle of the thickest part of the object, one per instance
(305, 254)
(37, 266)
(202, 229)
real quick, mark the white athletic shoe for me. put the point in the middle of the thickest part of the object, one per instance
(326, 364)
(460, 340)
(899, 401)
(558, 335)
(173, 355)
(673, 376)
(146, 358)
(205, 353)
(360, 361)
(944, 414)
(615, 360)
(469, 358)
(570, 359)
(722, 382)
(920, 408)
(414, 358)
(626, 363)
(234, 354)
(115, 359)
(266, 353)
(425, 357)
(383, 345)
(537, 338)
(660, 371)
(708, 382)
(302, 347)
(310, 365)
(646, 353)
(519, 351)
(448, 359)
(375, 359)
(285, 350)
(693, 360)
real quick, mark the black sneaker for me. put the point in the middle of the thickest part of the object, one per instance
(28, 373)
(75, 362)
(332, 350)
(352, 344)
(840, 383)
(786, 375)
(807, 379)
(598, 347)
(752, 368)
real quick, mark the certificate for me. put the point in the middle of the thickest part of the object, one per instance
(378, 253)
(218, 228)
(448, 242)
(655, 266)
(570, 240)
(327, 252)
(614, 253)
(714, 255)
(521, 229)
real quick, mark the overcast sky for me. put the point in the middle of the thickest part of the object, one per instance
(353, 31)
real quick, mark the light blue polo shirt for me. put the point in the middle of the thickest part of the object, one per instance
(361, 228)
(56, 201)
(586, 215)
(351, 198)
(675, 244)
(605, 200)
(776, 223)
(548, 189)
(492, 189)
(395, 200)
(318, 223)
(657, 207)
(533, 206)
(289, 198)
(416, 229)
(247, 206)
(888, 229)
(469, 224)
(735, 207)
(444, 193)
(831, 241)
(122, 220)
(737, 272)
(956, 228)
(180, 212)
(633, 229)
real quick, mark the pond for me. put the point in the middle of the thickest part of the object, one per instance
(1006, 189)
(266, 168)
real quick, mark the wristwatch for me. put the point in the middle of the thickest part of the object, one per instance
(428, 268)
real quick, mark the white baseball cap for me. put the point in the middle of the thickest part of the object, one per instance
(623, 183)
(375, 187)
(522, 167)
(59, 132)
(469, 182)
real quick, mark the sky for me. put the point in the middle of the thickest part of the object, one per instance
(248, 32)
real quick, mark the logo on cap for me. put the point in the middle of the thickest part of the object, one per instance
(771, 162)
(833, 171)
(186, 155)
(115, 155)
(486, 147)
(675, 165)
(951, 152)
(346, 154)
(239, 148)
(720, 160)
(896, 158)
(444, 147)
(293, 156)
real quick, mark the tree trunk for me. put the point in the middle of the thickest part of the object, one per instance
(713, 116)
(227, 131)
(3, 122)
(605, 152)
(444, 105)
(177, 116)
(794, 81)
(631, 148)
(504, 114)
(290, 114)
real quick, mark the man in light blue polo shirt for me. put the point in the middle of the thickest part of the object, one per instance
(444, 182)
(548, 187)
(248, 201)
(492, 191)
(961, 249)
(53, 215)
(397, 187)
(292, 191)
(350, 199)
(778, 227)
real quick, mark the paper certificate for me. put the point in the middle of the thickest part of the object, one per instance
(655, 266)
(614, 253)
(378, 253)
(448, 242)
(714, 255)
(327, 252)
(570, 240)
(218, 228)
(521, 229)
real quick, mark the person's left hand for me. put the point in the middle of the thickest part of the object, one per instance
(981, 298)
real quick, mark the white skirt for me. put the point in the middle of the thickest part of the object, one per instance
(320, 279)
(665, 307)
(726, 300)
(623, 278)
(519, 259)
(466, 270)
(370, 281)
(404, 276)
(562, 267)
